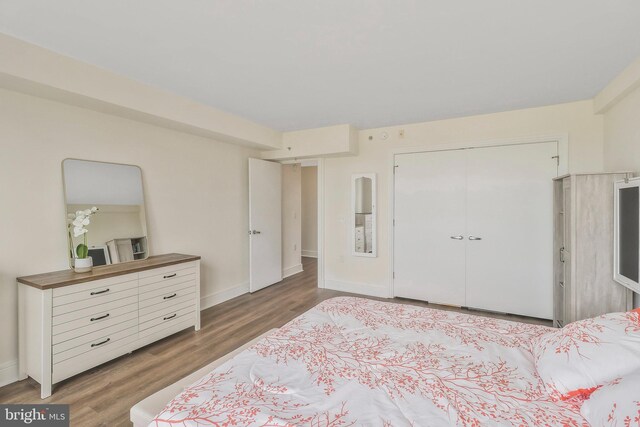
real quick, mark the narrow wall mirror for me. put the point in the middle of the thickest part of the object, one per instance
(110, 197)
(363, 202)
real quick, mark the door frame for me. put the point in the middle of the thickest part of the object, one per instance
(563, 169)
(319, 163)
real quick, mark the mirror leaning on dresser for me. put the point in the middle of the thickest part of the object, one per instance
(105, 213)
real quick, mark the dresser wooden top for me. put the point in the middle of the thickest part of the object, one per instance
(57, 279)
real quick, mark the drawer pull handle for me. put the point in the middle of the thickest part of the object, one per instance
(100, 292)
(170, 317)
(100, 343)
(93, 319)
(170, 296)
(170, 276)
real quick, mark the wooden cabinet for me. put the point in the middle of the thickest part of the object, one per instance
(72, 322)
(583, 246)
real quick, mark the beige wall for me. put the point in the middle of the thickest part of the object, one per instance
(622, 134)
(291, 213)
(371, 275)
(622, 138)
(195, 188)
(310, 211)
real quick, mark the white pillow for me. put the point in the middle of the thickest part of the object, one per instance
(615, 404)
(583, 355)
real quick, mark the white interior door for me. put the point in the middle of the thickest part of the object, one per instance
(429, 233)
(509, 207)
(265, 224)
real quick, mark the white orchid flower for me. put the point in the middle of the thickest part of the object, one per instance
(87, 212)
(79, 231)
(86, 221)
(94, 209)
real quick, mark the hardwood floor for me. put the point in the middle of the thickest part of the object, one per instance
(104, 395)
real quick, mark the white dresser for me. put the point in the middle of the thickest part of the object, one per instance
(70, 322)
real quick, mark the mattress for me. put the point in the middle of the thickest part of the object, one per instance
(351, 361)
(143, 412)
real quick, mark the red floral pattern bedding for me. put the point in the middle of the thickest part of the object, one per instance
(352, 361)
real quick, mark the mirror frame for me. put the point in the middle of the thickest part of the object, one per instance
(70, 248)
(374, 215)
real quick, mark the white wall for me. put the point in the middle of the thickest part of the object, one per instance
(371, 275)
(291, 222)
(195, 190)
(310, 211)
(622, 138)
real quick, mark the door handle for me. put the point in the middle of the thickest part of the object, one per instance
(255, 232)
(562, 254)
(457, 237)
(475, 238)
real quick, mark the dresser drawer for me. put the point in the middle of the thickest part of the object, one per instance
(95, 356)
(175, 315)
(82, 343)
(97, 294)
(98, 344)
(166, 273)
(166, 294)
(85, 314)
(96, 322)
(94, 285)
(180, 301)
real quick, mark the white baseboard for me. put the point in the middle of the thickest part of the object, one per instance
(290, 271)
(218, 297)
(8, 372)
(309, 254)
(357, 288)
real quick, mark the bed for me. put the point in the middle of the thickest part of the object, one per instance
(352, 361)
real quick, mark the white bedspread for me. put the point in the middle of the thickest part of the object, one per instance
(352, 361)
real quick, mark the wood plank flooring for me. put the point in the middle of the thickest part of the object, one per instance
(104, 395)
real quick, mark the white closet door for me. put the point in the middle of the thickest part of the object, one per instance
(509, 207)
(429, 250)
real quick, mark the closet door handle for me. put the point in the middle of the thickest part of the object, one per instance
(562, 254)
(457, 237)
(475, 238)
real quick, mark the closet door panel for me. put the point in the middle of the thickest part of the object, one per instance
(510, 227)
(429, 245)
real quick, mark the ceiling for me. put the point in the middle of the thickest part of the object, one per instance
(296, 64)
